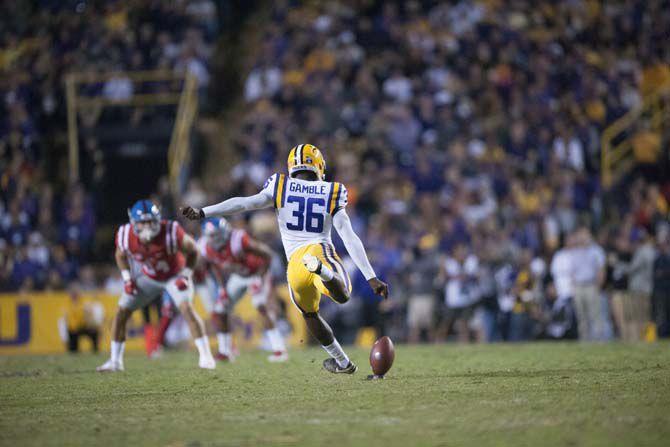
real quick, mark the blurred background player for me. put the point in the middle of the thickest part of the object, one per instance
(167, 255)
(307, 208)
(238, 264)
(231, 263)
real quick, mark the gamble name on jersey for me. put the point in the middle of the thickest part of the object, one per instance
(305, 209)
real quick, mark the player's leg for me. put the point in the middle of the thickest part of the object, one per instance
(224, 336)
(115, 362)
(147, 291)
(215, 306)
(322, 261)
(183, 298)
(260, 289)
(306, 297)
(339, 361)
(167, 314)
(73, 341)
(149, 333)
(235, 288)
(203, 290)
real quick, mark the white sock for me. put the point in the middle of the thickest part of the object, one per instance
(202, 344)
(335, 351)
(276, 340)
(326, 273)
(117, 351)
(225, 342)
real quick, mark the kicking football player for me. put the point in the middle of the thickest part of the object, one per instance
(167, 255)
(238, 264)
(307, 207)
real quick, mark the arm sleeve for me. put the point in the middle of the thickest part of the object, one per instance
(263, 199)
(121, 240)
(353, 244)
(337, 200)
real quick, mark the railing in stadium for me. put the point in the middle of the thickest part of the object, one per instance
(185, 98)
(617, 141)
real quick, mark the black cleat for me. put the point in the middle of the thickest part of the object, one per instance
(331, 365)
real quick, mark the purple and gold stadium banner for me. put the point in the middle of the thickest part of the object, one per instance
(35, 323)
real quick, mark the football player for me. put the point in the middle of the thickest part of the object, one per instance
(239, 264)
(167, 255)
(307, 207)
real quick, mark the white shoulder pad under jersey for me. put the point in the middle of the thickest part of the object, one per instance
(305, 209)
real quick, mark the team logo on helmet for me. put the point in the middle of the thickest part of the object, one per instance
(306, 157)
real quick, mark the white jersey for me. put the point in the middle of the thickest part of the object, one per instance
(305, 209)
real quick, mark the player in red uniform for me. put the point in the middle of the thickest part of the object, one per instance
(238, 264)
(167, 256)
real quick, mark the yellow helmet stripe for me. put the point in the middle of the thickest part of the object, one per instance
(334, 195)
(298, 154)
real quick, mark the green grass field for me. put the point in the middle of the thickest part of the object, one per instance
(449, 395)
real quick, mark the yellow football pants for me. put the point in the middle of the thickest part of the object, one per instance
(306, 287)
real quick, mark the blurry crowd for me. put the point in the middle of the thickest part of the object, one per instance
(47, 227)
(468, 135)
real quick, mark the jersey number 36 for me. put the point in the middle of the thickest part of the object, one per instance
(308, 218)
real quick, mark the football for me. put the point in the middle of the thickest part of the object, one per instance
(382, 356)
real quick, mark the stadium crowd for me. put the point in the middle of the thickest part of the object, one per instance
(47, 226)
(467, 133)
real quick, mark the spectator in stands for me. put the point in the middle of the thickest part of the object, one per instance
(461, 273)
(25, 273)
(661, 286)
(520, 322)
(38, 254)
(421, 288)
(618, 261)
(640, 284)
(588, 276)
(561, 270)
(557, 317)
(63, 270)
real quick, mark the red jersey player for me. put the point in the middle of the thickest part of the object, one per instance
(238, 264)
(167, 256)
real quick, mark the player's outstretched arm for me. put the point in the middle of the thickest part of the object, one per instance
(354, 246)
(231, 206)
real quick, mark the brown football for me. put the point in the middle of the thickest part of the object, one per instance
(382, 356)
